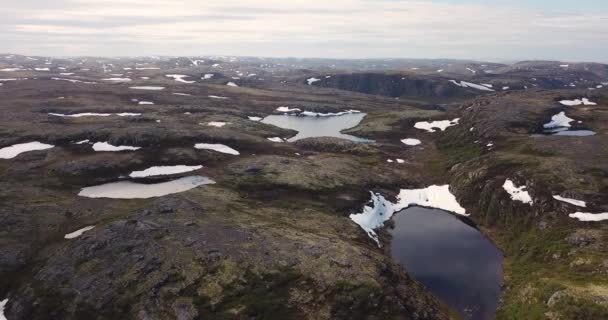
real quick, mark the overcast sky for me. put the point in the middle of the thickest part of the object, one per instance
(477, 29)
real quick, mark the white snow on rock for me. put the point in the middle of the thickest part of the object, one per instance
(145, 102)
(181, 94)
(506, 88)
(78, 232)
(117, 79)
(231, 84)
(578, 203)
(104, 146)
(400, 161)
(128, 114)
(208, 76)
(592, 217)
(42, 69)
(374, 217)
(2, 306)
(441, 125)
(578, 102)
(312, 80)
(152, 88)
(517, 193)
(559, 120)
(67, 73)
(276, 139)
(411, 142)
(287, 109)
(163, 170)
(83, 141)
(216, 147)
(17, 149)
(218, 124)
(390, 160)
(179, 78)
(465, 84)
(132, 190)
(80, 115)
(218, 97)
(255, 118)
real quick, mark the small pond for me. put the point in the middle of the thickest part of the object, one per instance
(309, 127)
(452, 259)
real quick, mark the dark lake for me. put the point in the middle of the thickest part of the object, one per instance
(308, 127)
(452, 259)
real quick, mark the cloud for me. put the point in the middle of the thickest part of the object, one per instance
(338, 28)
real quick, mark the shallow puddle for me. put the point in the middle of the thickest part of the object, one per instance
(309, 127)
(452, 259)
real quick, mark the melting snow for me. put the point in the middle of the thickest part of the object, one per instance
(16, 149)
(146, 102)
(517, 193)
(231, 84)
(216, 147)
(255, 118)
(441, 125)
(411, 142)
(163, 170)
(218, 97)
(78, 232)
(577, 203)
(181, 94)
(131, 190)
(42, 69)
(382, 210)
(104, 146)
(207, 76)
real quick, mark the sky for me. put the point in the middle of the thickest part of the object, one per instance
(497, 30)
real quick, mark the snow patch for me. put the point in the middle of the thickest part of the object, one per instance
(151, 88)
(104, 146)
(163, 171)
(287, 109)
(216, 147)
(517, 193)
(131, 190)
(17, 149)
(78, 232)
(578, 102)
(578, 203)
(441, 125)
(179, 78)
(312, 80)
(465, 84)
(411, 142)
(276, 139)
(559, 120)
(218, 124)
(374, 217)
(592, 217)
